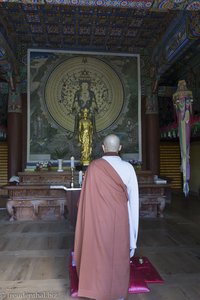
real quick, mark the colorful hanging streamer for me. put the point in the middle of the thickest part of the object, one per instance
(182, 100)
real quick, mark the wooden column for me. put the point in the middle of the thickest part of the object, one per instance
(14, 133)
(24, 130)
(144, 134)
(152, 134)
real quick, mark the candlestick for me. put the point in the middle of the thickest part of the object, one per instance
(72, 178)
(72, 162)
(80, 177)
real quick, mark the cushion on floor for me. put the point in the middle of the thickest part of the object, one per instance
(141, 272)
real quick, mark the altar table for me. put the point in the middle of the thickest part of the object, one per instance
(48, 196)
(45, 202)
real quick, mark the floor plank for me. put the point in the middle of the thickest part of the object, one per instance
(34, 255)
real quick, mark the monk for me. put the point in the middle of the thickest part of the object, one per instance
(107, 225)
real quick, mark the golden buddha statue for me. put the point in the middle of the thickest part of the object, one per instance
(85, 137)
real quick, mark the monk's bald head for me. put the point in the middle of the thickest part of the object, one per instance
(111, 143)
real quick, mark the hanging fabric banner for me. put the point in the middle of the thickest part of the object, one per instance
(182, 100)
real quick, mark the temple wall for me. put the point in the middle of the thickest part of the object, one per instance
(195, 167)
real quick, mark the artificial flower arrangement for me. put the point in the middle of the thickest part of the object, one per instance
(135, 163)
(43, 165)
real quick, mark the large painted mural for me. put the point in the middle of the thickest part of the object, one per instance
(61, 84)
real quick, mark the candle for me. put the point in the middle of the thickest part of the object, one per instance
(60, 169)
(72, 162)
(80, 177)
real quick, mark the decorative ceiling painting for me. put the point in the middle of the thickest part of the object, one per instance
(189, 5)
(90, 25)
(58, 83)
(97, 27)
(136, 4)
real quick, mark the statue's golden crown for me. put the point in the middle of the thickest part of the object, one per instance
(84, 76)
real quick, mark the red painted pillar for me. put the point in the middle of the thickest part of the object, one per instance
(152, 134)
(14, 133)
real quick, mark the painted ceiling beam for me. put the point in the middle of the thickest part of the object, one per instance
(153, 5)
(181, 35)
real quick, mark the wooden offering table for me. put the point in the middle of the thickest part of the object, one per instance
(48, 178)
(47, 195)
(44, 195)
(153, 194)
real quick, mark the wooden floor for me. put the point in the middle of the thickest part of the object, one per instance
(34, 255)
